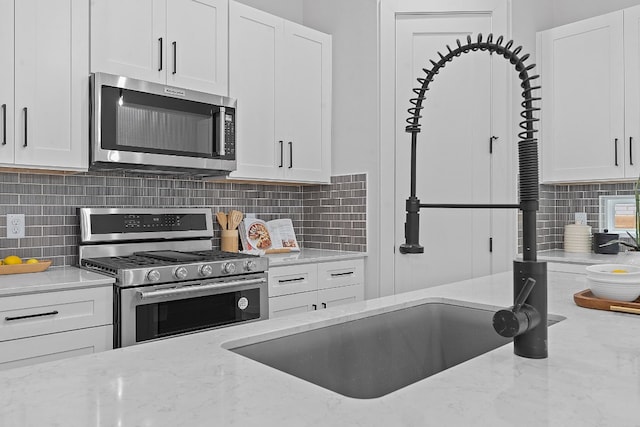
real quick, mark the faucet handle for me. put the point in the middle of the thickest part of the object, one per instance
(520, 318)
(524, 293)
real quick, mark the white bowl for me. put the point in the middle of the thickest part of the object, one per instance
(617, 272)
(614, 290)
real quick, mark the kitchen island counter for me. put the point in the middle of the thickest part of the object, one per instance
(591, 377)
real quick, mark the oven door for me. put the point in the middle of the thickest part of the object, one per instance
(154, 312)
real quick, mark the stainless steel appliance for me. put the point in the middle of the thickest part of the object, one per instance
(169, 280)
(150, 127)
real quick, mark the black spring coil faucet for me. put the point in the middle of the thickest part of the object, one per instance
(532, 340)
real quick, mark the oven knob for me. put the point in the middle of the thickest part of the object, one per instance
(229, 268)
(181, 273)
(206, 270)
(250, 265)
(153, 275)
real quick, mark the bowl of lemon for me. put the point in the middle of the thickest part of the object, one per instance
(13, 264)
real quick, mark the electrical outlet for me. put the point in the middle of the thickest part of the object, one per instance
(581, 218)
(15, 226)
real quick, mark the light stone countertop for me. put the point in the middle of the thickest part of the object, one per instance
(587, 258)
(591, 377)
(52, 279)
(306, 256)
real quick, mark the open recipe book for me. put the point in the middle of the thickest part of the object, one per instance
(264, 235)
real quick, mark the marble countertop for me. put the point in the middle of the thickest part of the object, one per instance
(52, 279)
(306, 256)
(590, 378)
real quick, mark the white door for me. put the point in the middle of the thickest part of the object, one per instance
(306, 103)
(255, 53)
(453, 159)
(582, 69)
(128, 38)
(197, 42)
(6, 81)
(632, 90)
(51, 83)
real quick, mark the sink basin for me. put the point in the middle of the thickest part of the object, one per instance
(376, 355)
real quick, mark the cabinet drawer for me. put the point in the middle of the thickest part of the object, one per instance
(45, 313)
(292, 304)
(292, 279)
(46, 348)
(340, 273)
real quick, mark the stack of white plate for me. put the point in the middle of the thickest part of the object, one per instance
(577, 238)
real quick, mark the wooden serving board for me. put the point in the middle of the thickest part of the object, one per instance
(586, 299)
(25, 268)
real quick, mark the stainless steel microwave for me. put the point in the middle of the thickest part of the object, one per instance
(150, 127)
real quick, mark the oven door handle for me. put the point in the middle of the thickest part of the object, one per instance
(197, 289)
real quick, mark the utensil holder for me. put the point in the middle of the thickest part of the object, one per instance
(229, 240)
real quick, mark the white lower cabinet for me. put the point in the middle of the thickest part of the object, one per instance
(46, 348)
(314, 286)
(48, 326)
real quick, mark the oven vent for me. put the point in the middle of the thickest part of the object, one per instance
(100, 268)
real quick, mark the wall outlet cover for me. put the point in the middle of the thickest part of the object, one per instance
(15, 226)
(581, 218)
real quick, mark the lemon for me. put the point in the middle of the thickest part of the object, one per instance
(12, 259)
(619, 271)
(31, 261)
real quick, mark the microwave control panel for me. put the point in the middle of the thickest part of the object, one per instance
(230, 134)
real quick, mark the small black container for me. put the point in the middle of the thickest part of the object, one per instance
(601, 238)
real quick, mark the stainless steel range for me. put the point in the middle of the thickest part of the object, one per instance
(169, 280)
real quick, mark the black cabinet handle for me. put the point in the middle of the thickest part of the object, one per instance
(324, 305)
(615, 142)
(25, 126)
(281, 153)
(175, 56)
(631, 150)
(315, 306)
(30, 316)
(4, 124)
(161, 59)
(290, 154)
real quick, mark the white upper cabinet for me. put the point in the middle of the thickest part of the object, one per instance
(281, 76)
(583, 101)
(178, 42)
(44, 84)
(632, 90)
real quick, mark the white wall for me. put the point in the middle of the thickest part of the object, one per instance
(355, 141)
(566, 11)
(288, 9)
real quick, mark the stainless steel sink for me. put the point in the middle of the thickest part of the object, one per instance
(376, 355)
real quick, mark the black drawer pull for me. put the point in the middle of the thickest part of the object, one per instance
(315, 306)
(324, 305)
(297, 279)
(347, 273)
(30, 316)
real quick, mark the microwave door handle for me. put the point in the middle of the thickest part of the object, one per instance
(220, 139)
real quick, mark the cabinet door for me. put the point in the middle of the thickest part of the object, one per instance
(307, 103)
(6, 81)
(128, 38)
(51, 83)
(46, 348)
(293, 304)
(583, 100)
(632, 91)
(340, 296)
(197, 34)
(255, 53)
